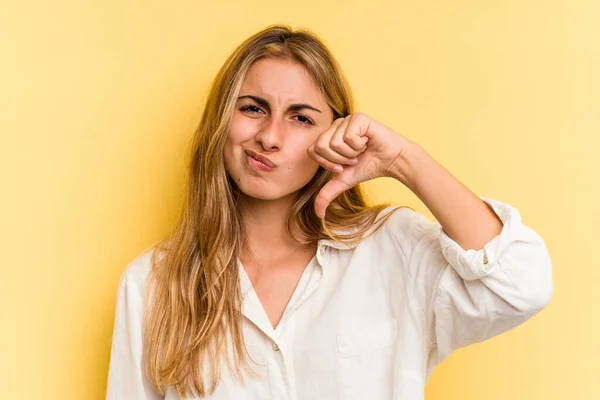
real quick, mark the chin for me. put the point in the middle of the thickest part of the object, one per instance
(262, 191)
(266, 189)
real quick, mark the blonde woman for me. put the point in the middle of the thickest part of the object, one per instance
(280, 282)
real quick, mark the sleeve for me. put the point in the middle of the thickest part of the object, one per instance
(467, 296)
(125, 379)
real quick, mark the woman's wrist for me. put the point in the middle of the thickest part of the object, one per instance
(406, 166)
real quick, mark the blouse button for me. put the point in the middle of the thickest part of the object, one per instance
(322, 251)
(275, 346)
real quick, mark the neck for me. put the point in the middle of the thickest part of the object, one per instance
(264, 226)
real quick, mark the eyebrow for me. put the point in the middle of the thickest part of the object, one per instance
(264, 103)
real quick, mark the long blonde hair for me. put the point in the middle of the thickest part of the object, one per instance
(194, 297)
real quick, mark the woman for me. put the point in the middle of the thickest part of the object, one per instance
(280, 282)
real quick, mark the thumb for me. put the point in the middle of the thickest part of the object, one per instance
(330, 191)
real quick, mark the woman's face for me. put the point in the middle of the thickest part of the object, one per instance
(279, 114)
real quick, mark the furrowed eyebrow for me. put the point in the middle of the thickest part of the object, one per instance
(264, 103)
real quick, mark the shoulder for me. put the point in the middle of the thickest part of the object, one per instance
(135, 274)
(400, 228)
(407, 223)
(402, 225)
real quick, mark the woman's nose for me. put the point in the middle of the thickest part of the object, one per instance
(271, 133)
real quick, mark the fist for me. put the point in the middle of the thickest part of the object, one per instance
(357, 148)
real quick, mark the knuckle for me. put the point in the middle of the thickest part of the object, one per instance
(350, 137)
(336, 145)
(321, 148)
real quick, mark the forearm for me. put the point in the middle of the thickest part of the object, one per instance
(465, 218)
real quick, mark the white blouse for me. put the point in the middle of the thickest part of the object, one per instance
(366, 321)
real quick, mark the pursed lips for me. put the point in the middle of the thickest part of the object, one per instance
(261, 160)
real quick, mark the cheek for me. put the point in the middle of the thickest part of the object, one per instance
(240, 130)
(301, 160)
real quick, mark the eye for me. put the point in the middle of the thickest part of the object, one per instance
(254, 109)
(304, 120)
(250, 108)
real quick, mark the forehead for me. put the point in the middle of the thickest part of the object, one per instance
(282, 81)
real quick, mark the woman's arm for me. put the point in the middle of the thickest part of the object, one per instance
(478, 272)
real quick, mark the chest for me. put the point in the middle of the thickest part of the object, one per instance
(340, 337)
(275, 284)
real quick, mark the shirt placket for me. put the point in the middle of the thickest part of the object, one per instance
(286, 327)
(279, 359)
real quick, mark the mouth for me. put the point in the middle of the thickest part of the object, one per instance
(259, 162)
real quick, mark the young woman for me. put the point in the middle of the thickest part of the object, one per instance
(280, 282)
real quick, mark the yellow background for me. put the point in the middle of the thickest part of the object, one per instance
(98, 101)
